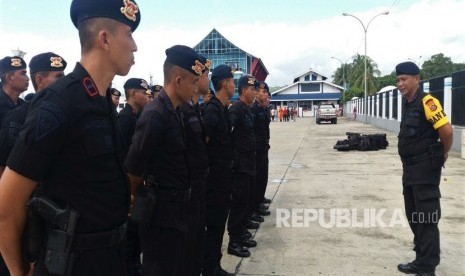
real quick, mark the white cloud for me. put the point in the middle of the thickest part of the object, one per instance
(287, 50)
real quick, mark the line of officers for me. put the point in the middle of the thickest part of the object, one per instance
(193, 168)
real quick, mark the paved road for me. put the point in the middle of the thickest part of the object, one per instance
(368, 234)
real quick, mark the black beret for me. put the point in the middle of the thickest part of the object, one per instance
(47, 62)
(115, 92)
(124, 11)
(186, 58)
(157, 88)
(407, 68)
(136, 83)
(29, 97)
(8, 64)
(222, 72)
(247, 80)
(263, 85)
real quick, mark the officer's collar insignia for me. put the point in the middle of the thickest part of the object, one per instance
(431, 105)
(208, 64)
(129, 10)
(198, 67)
(16, 62)
(90, 87)
(251, 81)
(262, 85)
(56, 62)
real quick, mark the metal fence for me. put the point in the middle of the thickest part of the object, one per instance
(458, 98)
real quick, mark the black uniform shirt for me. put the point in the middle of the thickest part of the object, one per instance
(127, 119)
(243, 133)
(158, 146)
(262, 121)
(6, 104)
(218, 129)
(9, 131)
(70, 144)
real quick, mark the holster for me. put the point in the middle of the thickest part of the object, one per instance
(144, 204)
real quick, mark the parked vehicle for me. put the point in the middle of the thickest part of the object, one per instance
(326, 112)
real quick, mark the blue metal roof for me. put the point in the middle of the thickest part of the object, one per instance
(306, 97)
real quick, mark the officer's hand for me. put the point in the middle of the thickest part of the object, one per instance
(446, 155)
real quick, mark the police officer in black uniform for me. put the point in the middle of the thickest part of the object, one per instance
(137, 93)
(14, 81)
(220, 158)
(156, 90)
(261, 113)
(158, 157)
(197, 158)
(44, 68)
(70, 143)
(244, 144)
(115, 96)
(425, 139)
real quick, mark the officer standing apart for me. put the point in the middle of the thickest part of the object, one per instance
(220, 158)
(423, 156)
(137, 93)
(243, 141)
(197, 159)
(44, 68)
(157, 159)
(70, 144)
(115, 96)
(261, 113)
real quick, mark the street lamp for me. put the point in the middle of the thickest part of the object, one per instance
(365, 29)
(343, 65)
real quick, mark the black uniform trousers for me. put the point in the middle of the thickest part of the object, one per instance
(162, 249)
(218, 202)
(261, 179)
(192, 260)
(132, 249)
(423, 211)
(240, 205)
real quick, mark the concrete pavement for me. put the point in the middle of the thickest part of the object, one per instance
(354, 222)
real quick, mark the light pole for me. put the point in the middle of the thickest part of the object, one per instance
(343, 64)
(365, 29)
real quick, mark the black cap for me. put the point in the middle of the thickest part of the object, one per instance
(115, 92)
(47, 62)
(247, 80)
(186, 58)
(222, 72)
(407, 68)
(8, 64)
(124, 11)
(136, 83)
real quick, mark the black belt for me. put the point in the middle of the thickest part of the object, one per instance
(416, 158)
(221, 163)
(101, 239)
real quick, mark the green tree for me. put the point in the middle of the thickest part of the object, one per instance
(459, 67)
(387, 80)
(437, 65)
(352, 92)
(357, 74)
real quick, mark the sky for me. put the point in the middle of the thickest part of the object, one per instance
(291, 37)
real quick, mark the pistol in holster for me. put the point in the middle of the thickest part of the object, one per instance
(145, 202)
(62, 221)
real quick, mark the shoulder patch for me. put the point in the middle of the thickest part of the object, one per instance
(431, 105)
(50, 117)
(90, 87)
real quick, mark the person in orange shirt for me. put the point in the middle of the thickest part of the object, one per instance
(280, 114)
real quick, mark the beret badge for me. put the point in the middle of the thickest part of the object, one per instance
(251, 81)
(129, 10)
(198, 67)
(16, 62)
(57, 62)
(208, 64)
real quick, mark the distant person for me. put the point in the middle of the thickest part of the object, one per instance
(14, 81)
(354, 113)
(280, 114)
(115, 96)
(425, 138)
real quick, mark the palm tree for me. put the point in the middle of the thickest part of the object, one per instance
(357, 74)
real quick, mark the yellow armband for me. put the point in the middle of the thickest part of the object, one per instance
(434, 112)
